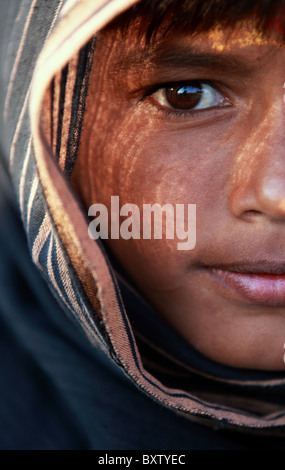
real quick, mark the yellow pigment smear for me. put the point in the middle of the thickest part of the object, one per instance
(243, 36)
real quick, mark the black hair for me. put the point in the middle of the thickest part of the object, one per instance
(196, 16)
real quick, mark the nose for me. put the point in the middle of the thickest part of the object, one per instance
(258, 188)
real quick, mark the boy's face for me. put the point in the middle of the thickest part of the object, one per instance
(220, 145)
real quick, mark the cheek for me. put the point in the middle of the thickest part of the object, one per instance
(147, 163)
(143, 166)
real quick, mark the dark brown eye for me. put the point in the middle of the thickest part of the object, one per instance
(190, 96)
(184, 97)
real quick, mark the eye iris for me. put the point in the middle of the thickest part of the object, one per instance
(184, 97)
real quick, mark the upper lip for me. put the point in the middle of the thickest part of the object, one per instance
(259, 267)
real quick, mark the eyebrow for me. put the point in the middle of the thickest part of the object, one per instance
(186, 58)
(189, 59)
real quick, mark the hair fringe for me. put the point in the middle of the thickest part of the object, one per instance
(197, 16)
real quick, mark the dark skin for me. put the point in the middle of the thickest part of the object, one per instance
(226, 155)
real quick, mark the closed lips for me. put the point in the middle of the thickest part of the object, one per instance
(258, 284)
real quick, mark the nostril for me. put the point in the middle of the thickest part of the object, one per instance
(253, 212)
(250, 215)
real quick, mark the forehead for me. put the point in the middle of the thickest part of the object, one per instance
(255, 21)
(183, 49)
(243, 36)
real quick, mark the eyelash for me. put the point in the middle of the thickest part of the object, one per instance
(191, 113)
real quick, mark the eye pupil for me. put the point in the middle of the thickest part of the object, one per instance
(184, 97)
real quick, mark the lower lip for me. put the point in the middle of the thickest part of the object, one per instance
(266, 289)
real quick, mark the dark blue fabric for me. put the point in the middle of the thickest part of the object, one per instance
(59, 392)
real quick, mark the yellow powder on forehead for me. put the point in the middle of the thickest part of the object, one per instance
(242, 36)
